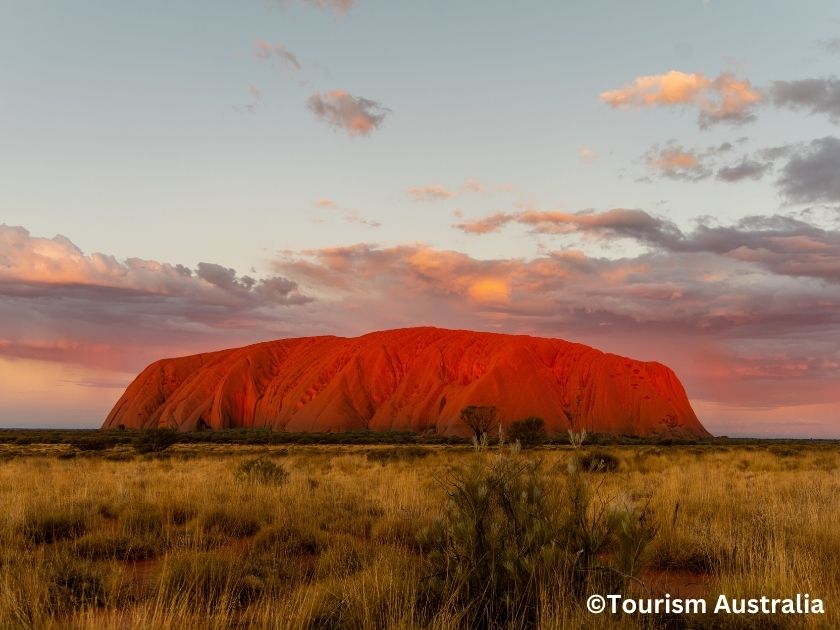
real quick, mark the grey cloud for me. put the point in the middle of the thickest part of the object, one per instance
(832, 45)
(57, 303)
(782, 245)
(706, 294)
(813, 174)
(746, 169)
(819, 96)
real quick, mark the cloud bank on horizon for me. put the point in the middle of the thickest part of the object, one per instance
(711, 245)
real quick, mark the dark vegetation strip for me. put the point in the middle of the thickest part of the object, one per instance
(93, 439)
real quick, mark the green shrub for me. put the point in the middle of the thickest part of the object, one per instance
(262, 470)
(510, 534)
(529, 431)
(494, 547)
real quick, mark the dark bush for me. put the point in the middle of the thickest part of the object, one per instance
(74, 584)
(529, 431)
(119, 547)
(479, 419)
(92, 443)
(785, 451)
(599, 461)
(155, 440)
(397, 453)
(47, 525)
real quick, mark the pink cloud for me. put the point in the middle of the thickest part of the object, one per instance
(59, 304)
(690, 309)
(746, 314)
(265, 51)
(723, 99)
(356, 115)
(490, 223)
(430, 192)
(587, 155)
(437, 192)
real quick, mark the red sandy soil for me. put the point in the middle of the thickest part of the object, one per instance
(412, 379)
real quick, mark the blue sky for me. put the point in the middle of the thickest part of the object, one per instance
(154, 130)
(118, 118)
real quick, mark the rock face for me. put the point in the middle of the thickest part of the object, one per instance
(415, 379)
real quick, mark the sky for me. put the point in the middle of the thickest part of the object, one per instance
(657, 179)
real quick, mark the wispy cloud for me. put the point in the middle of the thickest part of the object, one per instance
(831, 45)
(349, 216)
(256, 98)
(431, 192)
(356, 115)
(439, 192)
(339, 7)
(675, 162)
(587, 155)
(266, 51)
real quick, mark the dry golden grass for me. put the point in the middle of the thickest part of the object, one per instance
(117, 540)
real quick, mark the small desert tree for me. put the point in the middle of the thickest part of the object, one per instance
(479, 419)
(529, 431)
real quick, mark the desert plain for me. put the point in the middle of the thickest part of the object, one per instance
(114, 532)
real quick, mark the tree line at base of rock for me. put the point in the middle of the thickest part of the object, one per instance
(480, 420)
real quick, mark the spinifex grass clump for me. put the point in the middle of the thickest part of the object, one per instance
(211, 580)
(513, 533)
(48, 524)
(599, 461)
(262, 470)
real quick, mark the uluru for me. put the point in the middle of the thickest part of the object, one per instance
(411, 379)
